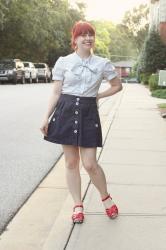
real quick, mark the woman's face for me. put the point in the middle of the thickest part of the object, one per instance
(85, 42)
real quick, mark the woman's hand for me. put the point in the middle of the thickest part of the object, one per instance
(44, 127)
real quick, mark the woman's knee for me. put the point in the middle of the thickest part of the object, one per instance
(72, 163)
(90, 166)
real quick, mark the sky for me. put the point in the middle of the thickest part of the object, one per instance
(112, 10)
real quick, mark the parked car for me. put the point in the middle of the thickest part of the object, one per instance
(132, 80)
(44, 72)
(12, 70)
(31, 73)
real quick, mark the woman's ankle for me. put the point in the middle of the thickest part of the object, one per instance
(107, 201)
(78, 208)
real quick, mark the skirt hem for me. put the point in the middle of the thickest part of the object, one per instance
(73, 144)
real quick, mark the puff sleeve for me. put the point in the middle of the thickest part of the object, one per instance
(109, 71)
(58, 70)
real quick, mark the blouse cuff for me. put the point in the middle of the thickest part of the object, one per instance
(109, 71)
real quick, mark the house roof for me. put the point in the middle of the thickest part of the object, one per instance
(124, 64)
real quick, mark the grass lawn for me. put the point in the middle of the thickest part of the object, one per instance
(162, 108)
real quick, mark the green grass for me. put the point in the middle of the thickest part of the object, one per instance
(162, 105)
(160, 93)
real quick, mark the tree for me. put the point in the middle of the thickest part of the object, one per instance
(3, 11)
(113, 40)
(102, 38)
(37, 30)
(136, 21)
(153, 56)
(121, 44)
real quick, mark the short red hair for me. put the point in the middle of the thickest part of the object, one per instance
(81, 28)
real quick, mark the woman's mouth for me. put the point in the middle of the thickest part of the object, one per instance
(88, 43)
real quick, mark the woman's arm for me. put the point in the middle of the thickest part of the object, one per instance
(115, 87)
(57, 87)
(53, 98)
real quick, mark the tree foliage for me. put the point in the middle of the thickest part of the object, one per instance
(40, 31)
(137, 23)
(103, 39)
(112, 41)
(121, 46)
(37, 30)
(153, 56)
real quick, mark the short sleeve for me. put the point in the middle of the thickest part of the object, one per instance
(109, 71)
(58, 70)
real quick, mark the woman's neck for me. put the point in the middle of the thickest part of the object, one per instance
(83, 54)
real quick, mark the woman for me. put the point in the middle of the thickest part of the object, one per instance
(75, 122)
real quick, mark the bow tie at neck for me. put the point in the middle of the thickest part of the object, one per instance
(79, 67)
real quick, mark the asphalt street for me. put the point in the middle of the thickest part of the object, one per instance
(25, 158)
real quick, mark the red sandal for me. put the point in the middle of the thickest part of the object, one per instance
(112, 212)
(78, 217)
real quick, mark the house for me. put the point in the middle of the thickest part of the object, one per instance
(124, 68)
(158, 17)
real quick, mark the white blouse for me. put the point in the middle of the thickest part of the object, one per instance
(82, 77)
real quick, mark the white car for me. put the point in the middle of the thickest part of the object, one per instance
(31, 73)
(44, 72)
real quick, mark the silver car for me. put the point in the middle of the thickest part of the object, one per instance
(31, 73)
(12, 71)
(44, 72)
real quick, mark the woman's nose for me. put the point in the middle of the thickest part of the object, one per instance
(88, 36)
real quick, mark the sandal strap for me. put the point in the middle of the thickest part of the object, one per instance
(107, 197)
(77, 206)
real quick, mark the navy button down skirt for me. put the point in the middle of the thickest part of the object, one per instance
(75, 121)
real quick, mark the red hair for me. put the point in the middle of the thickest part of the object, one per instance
(81, 28)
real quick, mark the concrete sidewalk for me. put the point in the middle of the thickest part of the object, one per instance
(134, 160)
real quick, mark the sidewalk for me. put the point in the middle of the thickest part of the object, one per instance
(134, 161)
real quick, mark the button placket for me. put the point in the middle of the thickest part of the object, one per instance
(76, 113)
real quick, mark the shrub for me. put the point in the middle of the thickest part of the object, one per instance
(144, 77)
(153, 81)
(160, 93)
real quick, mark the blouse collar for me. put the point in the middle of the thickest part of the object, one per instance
(86, 60)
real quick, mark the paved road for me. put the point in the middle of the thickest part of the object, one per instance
(25, 158)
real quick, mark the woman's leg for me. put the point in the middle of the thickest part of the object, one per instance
(73, 178)
(97, 176)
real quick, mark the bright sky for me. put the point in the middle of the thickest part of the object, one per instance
(109, 9)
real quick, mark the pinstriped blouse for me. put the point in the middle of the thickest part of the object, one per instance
(82, 77)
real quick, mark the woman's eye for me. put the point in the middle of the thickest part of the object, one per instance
(84, 35)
